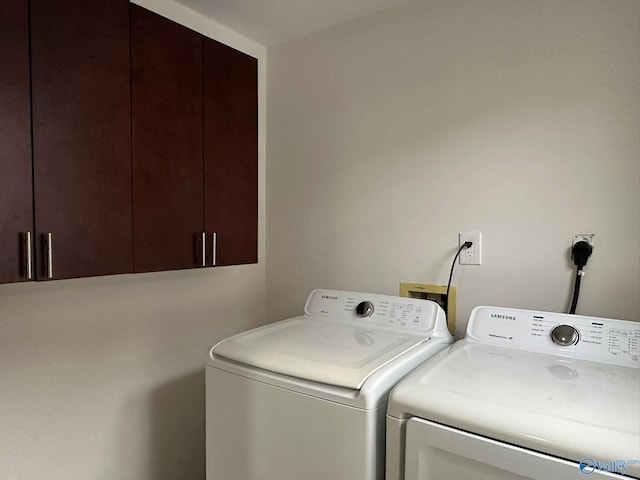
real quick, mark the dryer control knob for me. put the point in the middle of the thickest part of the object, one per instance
(364, 309)
(565, 335)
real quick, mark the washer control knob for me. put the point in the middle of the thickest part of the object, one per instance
(565, 335)
(364, 309)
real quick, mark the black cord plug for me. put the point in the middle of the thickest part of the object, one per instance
(580, 253)
(468, 244)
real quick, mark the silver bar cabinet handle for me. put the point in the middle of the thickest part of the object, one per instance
(29, 261)
(204, 249)
(214, 248)
(49, 255)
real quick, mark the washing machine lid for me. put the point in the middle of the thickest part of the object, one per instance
(320, 350)
(570, 408)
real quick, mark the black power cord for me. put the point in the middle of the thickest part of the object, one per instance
(580, 253)
(462, 247)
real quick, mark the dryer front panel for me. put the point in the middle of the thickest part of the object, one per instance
(434, 452)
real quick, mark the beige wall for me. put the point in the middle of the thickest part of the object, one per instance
(390, 134)
(103, 378)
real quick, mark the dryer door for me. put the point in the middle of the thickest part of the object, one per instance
(434, 452)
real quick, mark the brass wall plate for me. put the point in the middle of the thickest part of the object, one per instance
(436, 293)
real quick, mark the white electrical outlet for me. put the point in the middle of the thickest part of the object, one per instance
(473, 254)
(583, 237)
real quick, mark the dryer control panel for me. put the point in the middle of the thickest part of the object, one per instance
(589, 338)
(407, 314)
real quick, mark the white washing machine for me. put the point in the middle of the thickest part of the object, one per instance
(305, 398)
(525, 395)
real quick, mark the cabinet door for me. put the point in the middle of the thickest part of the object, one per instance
(167, 143)
(82, 135)
(16, 211)
(231, 152)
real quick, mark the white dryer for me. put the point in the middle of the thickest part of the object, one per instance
(305, 398)
(525, 395)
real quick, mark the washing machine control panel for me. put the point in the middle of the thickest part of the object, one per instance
(588, 338)
(410, 314)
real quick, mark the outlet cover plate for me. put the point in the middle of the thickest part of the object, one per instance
(586, 237)
(473, 254)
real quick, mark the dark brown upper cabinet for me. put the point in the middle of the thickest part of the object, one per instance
(195, 148)
(231, 153)
(16, 209)
(81, 108)
(167, 143)
(129, 143)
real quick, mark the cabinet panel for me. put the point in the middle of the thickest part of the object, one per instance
(82, 135)
(16, 210)
(167, 142)
(231, 152)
